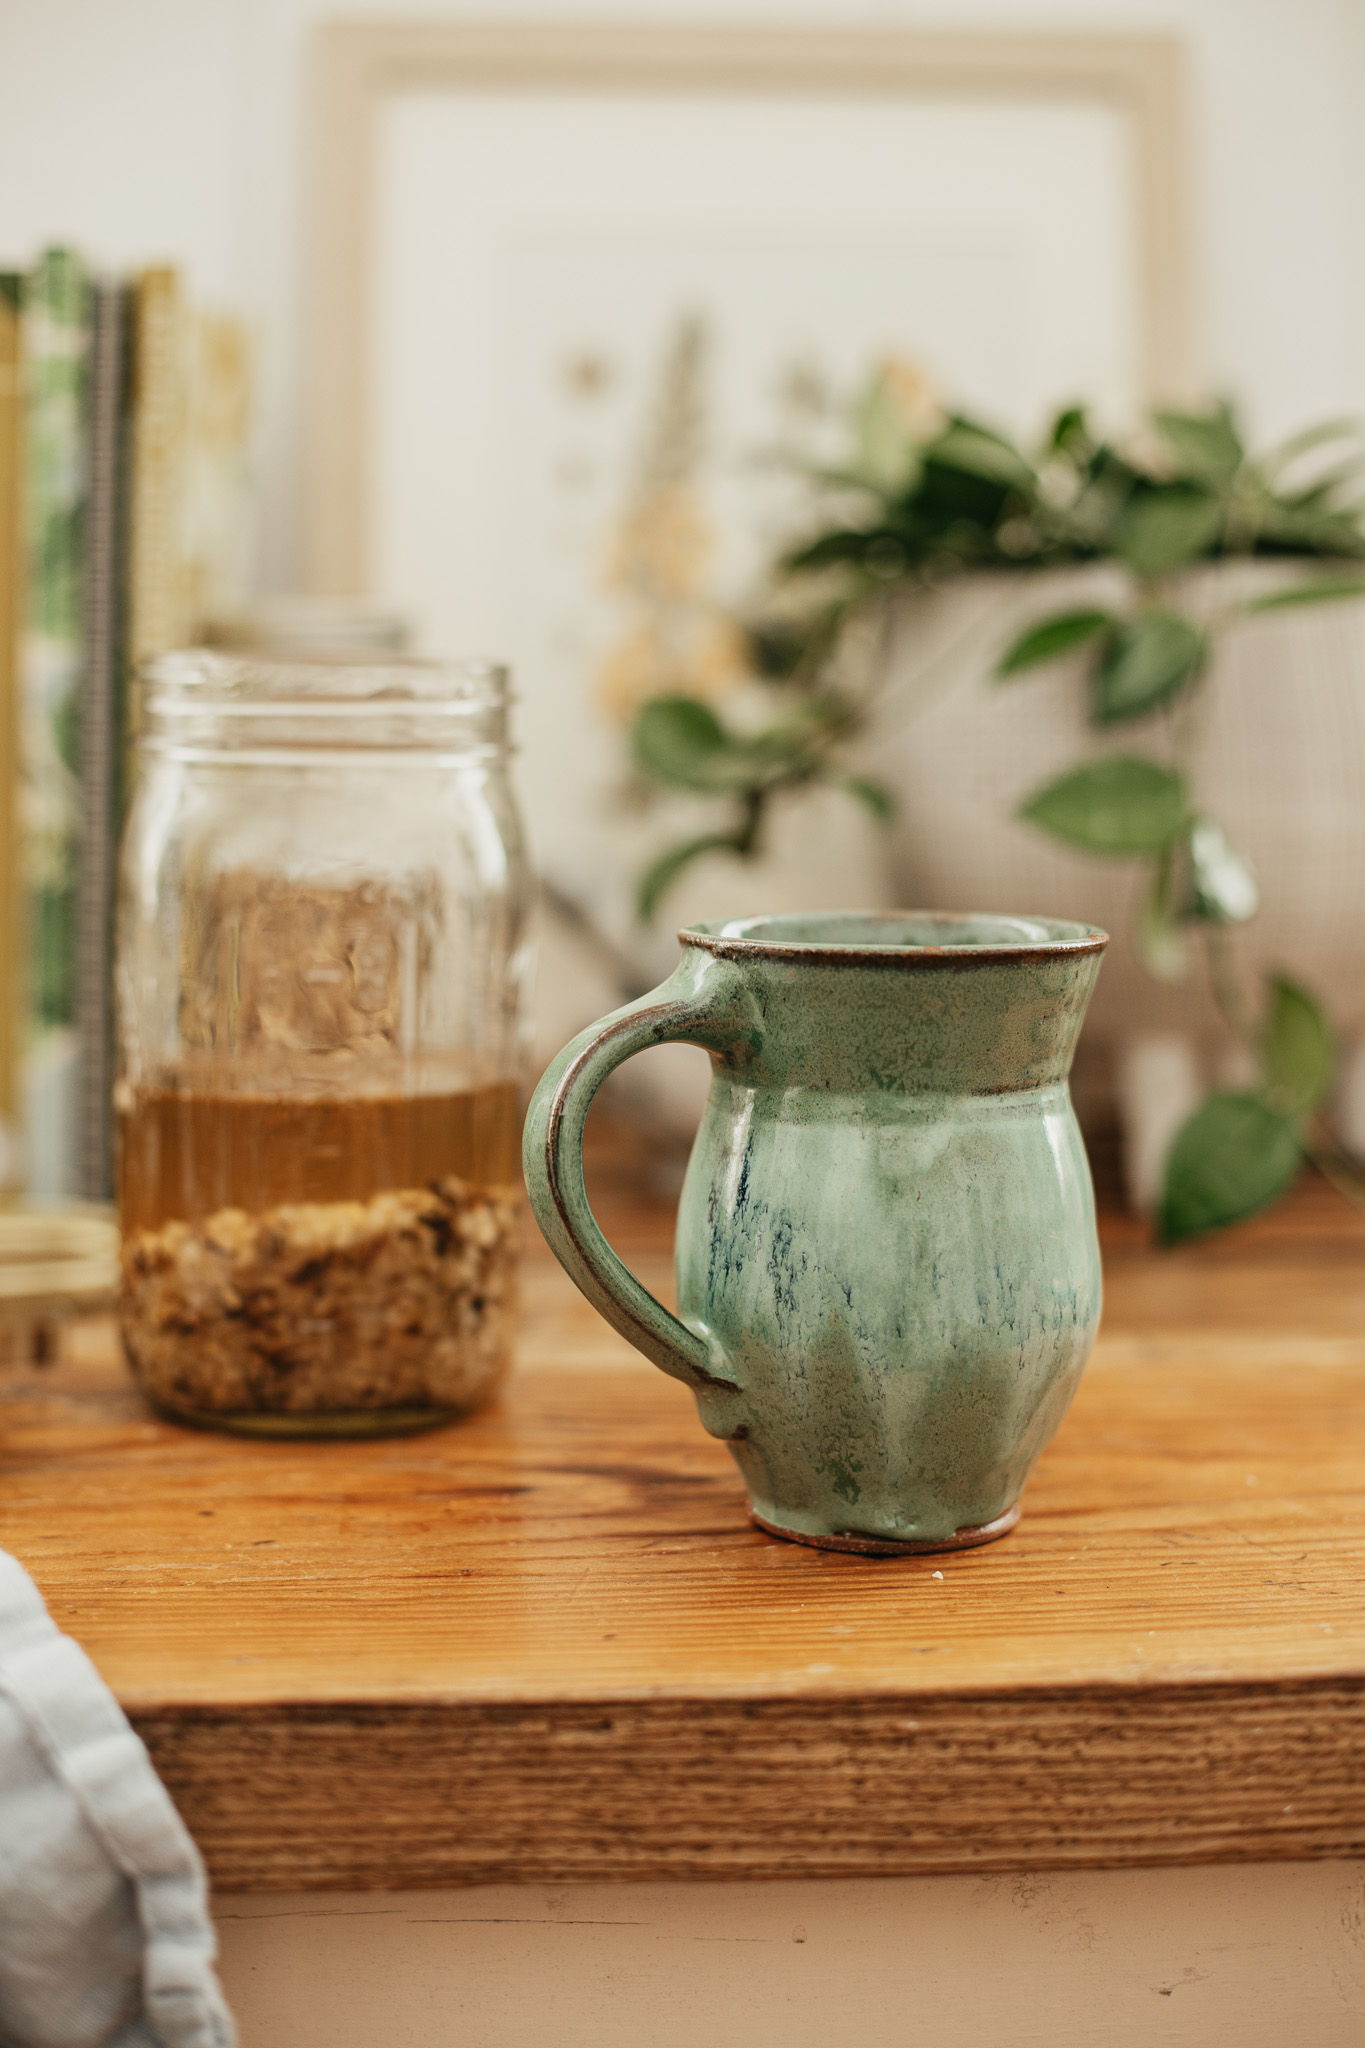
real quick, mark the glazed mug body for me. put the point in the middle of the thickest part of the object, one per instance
(888, 1277)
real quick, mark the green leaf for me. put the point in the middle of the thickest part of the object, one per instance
(1291, 530)
(1321, 436)
(679, 741)
(1167, 528)
(1207, 444)
(1323, 492)
(660, 876)
(1118, 805)
(965, 446)
(1299, 1055)
(1145, 663)
(875, 795)
(777, 648)
(1070, 432)
(1235, 1155)
(682, 744)
(1322, 590)
(839, 545)
(1051, 638)
(1222, 887)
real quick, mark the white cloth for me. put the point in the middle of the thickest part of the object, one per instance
(105, 1936)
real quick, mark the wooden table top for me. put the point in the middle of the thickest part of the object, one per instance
(547, 1643)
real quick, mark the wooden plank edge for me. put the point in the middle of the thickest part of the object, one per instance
(390, 1798)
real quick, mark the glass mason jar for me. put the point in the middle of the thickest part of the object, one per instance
(322, 951)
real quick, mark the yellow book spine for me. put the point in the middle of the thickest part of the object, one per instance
(11, 626)
(158, 597)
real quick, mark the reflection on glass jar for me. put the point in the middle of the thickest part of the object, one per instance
(322, 963)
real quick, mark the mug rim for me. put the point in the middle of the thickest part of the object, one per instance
(730, 939)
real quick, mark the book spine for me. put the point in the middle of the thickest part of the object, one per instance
(56, 347)
(157, 596)
(217, 535)
(104, 572)
(11, 624)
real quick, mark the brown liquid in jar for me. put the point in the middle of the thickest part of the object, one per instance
(184, 1154)
(318, 1263)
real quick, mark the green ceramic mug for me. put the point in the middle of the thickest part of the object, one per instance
(888, 1277)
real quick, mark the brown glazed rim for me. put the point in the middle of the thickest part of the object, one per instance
(819, 954)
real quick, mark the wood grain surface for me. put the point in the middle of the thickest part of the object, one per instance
(547, 1644)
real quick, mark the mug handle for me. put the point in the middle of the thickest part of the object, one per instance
(689, 1007)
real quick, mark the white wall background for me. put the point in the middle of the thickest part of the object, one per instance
(174, 129)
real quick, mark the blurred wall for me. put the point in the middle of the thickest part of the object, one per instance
(146, 129)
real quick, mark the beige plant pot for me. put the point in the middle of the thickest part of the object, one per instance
(1279, 761)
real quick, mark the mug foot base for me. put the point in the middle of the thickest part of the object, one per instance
(879, 1546)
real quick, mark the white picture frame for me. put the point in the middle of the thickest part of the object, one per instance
(472, 188)
(359, 68)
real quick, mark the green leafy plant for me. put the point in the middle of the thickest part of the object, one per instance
(1241, 1149)
(927, 496)
(681, 744)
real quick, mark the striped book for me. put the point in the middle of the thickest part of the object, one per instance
(56, 346)
(101, 693)
(11, 471)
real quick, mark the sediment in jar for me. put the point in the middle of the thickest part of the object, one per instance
(385, 1297)
(403, 1301)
